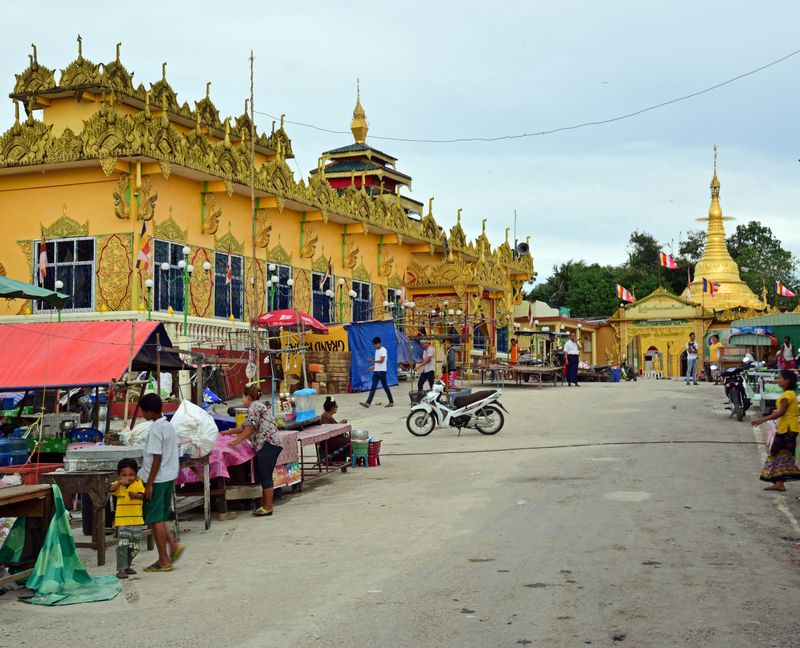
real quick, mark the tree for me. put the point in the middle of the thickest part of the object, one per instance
(591, 291)
(762, 259)
(690, 249)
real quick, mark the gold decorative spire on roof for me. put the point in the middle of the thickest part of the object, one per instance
(359, 124)
(717, 265)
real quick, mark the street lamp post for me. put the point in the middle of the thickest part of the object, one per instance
(341, 297)
(352, 294)
(148, 284)
(58, 285)
(187, 269)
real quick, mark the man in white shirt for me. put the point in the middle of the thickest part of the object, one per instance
(378, 368)
(427, 366)
(160, 466)
(572, 349)
(691, 360)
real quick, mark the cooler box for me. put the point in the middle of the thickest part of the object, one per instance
(305, 402)
(13, 452)
(100, 458)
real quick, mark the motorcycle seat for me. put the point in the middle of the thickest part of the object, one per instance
(463, 401)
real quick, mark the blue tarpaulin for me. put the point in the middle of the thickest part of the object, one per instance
(359, 338)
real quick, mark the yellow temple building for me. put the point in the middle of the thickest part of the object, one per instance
(653, 331)
(93, 167)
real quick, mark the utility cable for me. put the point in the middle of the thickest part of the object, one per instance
(570, 445)
(560, 129)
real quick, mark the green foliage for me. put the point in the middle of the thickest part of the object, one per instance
(762, 259)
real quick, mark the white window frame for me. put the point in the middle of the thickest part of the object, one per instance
(52, 264)
(369, 300)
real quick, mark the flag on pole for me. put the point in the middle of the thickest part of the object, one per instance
(530, 314)
(229, 269)
(624, 295)
(42, 260)
(710, 287)
(782, 290)
(403, 286)
(667, 261)
(143, 260)
(328, 273)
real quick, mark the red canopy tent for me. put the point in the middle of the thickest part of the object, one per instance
(80, 354)
(290, 320)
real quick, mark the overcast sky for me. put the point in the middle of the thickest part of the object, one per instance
(438, 70)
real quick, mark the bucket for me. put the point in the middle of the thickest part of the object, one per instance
(616, 374)
(241, 416)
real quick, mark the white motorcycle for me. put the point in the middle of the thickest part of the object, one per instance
(480, 411)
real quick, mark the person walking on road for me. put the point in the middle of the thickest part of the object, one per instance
(780, 465)
(426, 368)
(691, 360)
(572, 351)
(378, 368)
(450, 366)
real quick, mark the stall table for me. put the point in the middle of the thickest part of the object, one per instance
(30, 502)
(95, 485)
(321, 434)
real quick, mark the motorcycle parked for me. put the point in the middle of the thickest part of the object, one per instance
(480, 411)
(738, 401)
(627, 372)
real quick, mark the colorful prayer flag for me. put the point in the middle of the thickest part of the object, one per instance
(782, 290)
(143, 260)
(710, 287)
(624, 295)
(42, 260)
(667, 261)
(328, 273)
(229, 269)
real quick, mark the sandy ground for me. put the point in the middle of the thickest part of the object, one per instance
(614, 514)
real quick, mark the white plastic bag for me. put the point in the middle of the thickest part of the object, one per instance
(137, 436)
(197, 431)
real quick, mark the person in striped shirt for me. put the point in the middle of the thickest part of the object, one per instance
(129, 492)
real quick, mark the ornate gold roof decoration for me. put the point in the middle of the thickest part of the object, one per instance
(169, 230)
(35, 77)
(81, 72)
(278, 254)
(66, 227)
(229, 243)
(361, 273)
(110, 135)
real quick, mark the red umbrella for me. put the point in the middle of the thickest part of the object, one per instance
(290, 319)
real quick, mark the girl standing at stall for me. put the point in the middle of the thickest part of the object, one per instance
(780, 465)
(260, 430)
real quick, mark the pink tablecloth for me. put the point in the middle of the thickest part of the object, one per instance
(223, 456)
(319, 433)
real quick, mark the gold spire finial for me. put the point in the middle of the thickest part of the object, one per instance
(508, 229)
(119, 47)
(458, 217)
(430, 206)
(80, 48)
(283, 117)
(147, 104)
(714, 179)
(483, 227)
(164, 71)
(246, 106)
(35, 59)
(16, 112)
(208, 90)
(359, 126)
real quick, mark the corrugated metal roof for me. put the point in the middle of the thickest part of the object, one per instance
(778, 319)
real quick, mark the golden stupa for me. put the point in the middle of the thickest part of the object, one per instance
(716, 265)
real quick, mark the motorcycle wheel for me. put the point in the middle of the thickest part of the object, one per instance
(420, 423)
(489, 420)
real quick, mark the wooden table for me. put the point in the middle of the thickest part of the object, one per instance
(95, 485)
(29, 502)
(321, 434)
(197, 465)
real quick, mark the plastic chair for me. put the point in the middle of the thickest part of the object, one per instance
(360, 451)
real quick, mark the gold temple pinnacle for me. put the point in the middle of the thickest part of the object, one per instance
(359, 125)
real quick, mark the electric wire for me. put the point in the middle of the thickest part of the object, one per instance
(598, 122)
(571, 445)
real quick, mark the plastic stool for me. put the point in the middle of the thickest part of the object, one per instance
(360, 451)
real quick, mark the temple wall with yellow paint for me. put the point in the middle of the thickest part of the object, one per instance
(92, 156)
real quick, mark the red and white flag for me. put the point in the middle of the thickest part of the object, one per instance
(326, 276)
(624, 294)
(42, 260)
(143, 259)
(228, 269)
(667, 261)
(530, 314)
(782, 290)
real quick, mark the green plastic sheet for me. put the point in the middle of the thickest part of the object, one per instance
(59, 577)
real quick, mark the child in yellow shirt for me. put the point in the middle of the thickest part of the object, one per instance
(129, 491)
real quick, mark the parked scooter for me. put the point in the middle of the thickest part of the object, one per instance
(738, 401)
(627, 372)
(480, 411)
